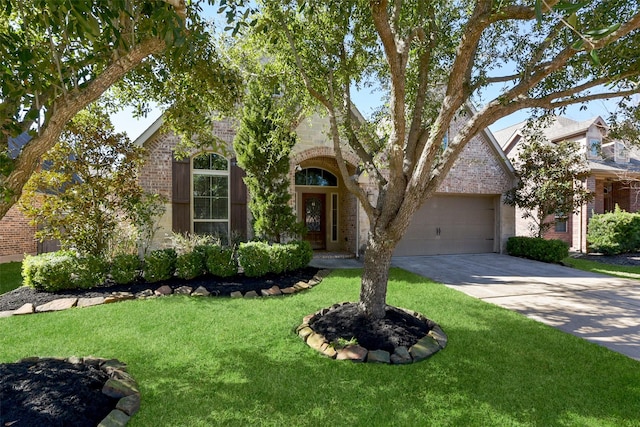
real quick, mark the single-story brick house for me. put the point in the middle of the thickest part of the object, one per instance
(205, 193)
(615, 169)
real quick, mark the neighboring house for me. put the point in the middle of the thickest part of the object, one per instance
(206, 193)
(614, 168)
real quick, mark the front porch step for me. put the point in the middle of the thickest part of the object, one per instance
(332, 255)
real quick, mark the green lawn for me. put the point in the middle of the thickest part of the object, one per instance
(215, 361)
(10, 276)
(624, 271)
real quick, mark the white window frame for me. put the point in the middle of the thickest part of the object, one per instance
(210, 172)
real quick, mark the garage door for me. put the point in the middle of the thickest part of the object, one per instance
(451, 225)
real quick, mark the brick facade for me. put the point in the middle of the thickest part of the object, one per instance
(16, 236)
(478, 170)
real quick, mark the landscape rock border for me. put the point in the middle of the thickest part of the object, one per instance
(67, 303)
(434, 341)
(120, 385)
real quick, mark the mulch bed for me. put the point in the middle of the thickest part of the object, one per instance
(217, 286)
(56, 393)
(397, 329)
(630, 259)
(52, 393)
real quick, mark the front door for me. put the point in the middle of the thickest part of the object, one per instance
(313, 210)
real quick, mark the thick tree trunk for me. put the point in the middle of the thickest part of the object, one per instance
(65, 108)
(373, 289)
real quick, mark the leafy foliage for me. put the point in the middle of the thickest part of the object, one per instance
(191, 264)
(60, 270)
(430, 60)
(260, 258)
(88, 187)
(125, 268)
(57, 57)
(538, 249)
(549, 182)
(614, 232)
(159, 265)
(263, 144)
(220, 261)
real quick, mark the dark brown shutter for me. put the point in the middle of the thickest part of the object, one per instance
(238, 198)
(181, 195)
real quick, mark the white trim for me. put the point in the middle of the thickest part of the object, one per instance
(144, 137)
(209, 172)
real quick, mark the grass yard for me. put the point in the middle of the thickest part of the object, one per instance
(624, 271)
(210, 361)
(10, 276)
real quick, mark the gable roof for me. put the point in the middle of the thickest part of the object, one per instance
(560, 128)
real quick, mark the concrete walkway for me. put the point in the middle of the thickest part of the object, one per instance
(598, 308)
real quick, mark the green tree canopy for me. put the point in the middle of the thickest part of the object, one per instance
(550, 182)
(432, 59)
(263, 144)
(88, 186)
(57, 57)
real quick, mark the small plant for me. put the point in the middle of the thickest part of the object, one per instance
(190, 265)
(220, 261)
(159, 265)
(187, 242)
(125, 268)
(343, 342)
(255, 259)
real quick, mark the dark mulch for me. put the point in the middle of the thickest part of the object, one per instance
(52, 393)
(622, 259)
(217, 286)
(398, 328)
(57, 393)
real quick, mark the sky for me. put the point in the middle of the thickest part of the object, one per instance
(365, 101)
(125, 122)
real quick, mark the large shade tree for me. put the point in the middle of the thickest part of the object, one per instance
(57, 57)
(431, 59)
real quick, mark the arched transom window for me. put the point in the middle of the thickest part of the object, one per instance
(316, 177)
(210, 202)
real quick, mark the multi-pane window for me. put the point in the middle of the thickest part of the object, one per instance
(316, 177)
(210, 204)
(594, 147)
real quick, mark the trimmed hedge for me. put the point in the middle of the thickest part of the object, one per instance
(61, 270)
(191, 264)
(220, 261)
(125, 268)
(159, 265)
(614, 233)
(259, 258)
(537, 248)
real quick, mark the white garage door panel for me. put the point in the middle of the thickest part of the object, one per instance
(450, 225)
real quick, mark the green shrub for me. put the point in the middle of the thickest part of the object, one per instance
(191, 264)
(60, 270)
(301, 253)
(614, 233)
(90, 271)
(159, 265)
(125, 268)
(220, 261)
(255, 259)
(537, 248)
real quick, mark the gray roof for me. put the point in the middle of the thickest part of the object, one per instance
(16, 144)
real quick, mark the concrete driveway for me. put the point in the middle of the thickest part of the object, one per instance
(598, 308)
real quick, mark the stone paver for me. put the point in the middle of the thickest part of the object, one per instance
(599, 308)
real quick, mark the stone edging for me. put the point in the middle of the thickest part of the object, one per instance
(66, 303)
(120, 385)
(428, 345)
